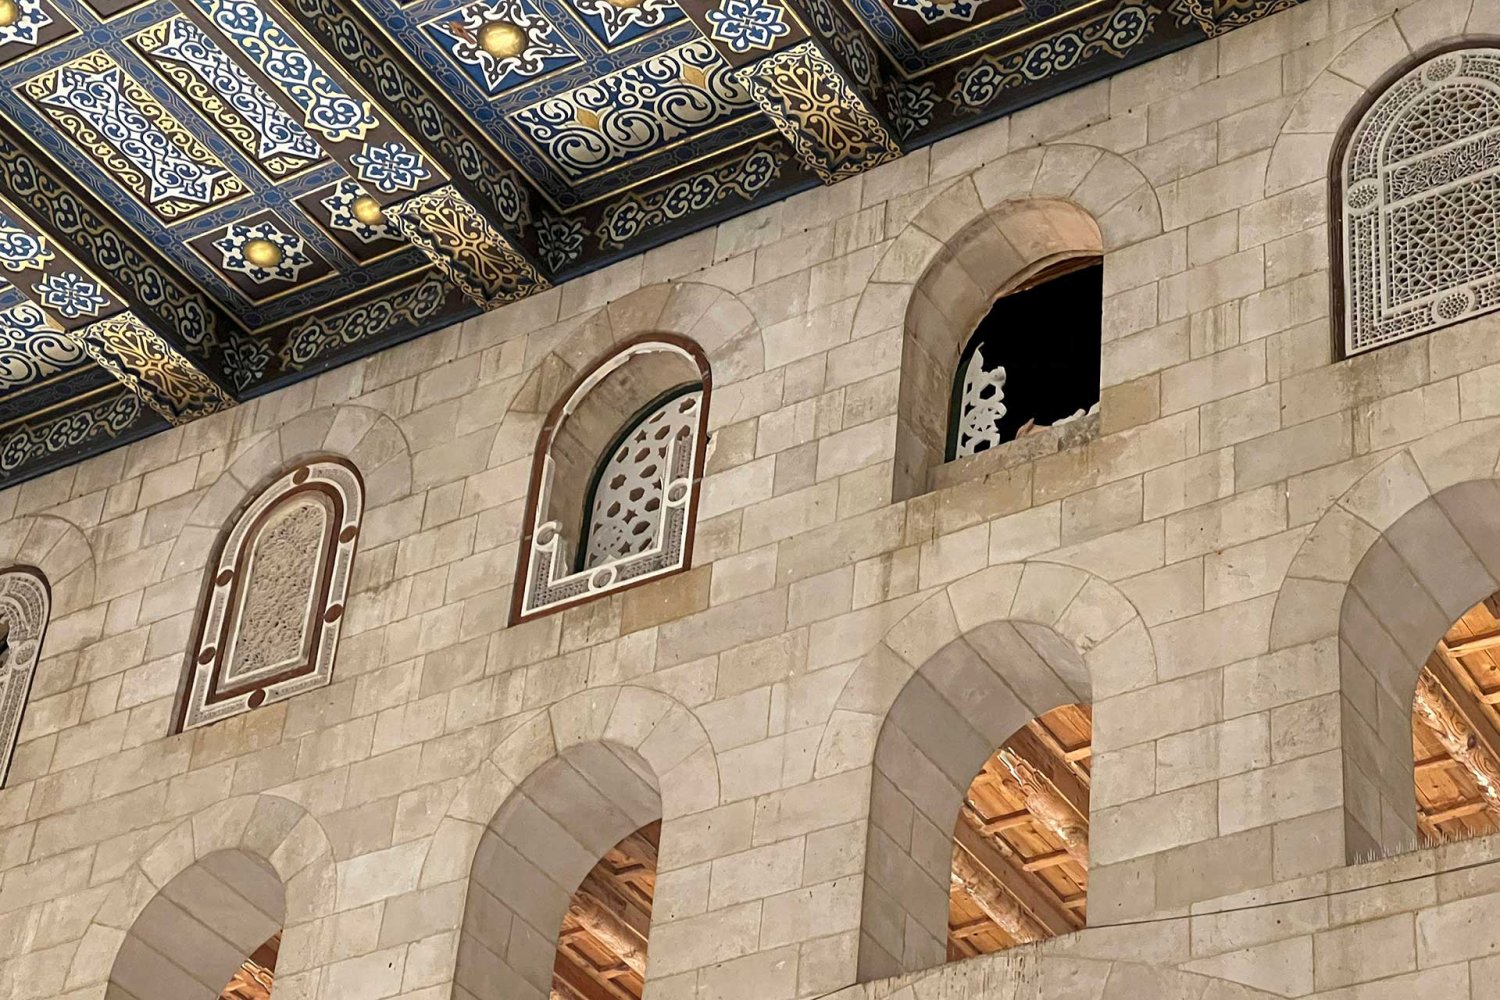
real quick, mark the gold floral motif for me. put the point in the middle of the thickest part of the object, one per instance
(832, 129)
(165, 380)
(462, 244)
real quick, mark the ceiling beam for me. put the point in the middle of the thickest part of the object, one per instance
(971, 878)
(1018, 883)
(1459, 722)
(481, 251)
(1036, 752)
(610, 929)
(813, 75)
(96, 315)
(571, 975)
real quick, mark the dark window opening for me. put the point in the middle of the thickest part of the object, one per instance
(1033, 362)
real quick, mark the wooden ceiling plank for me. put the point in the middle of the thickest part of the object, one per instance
(1024, 887)
(993, 901)
(1462, 691)
(1450, 709)
(1475, 644)
(609, 929)
(1458, 811)
(574, 978)
(1041, 861)
(1035, 751)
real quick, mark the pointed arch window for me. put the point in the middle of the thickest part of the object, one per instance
(1416, 202)
(25, 605)
(273, 602)
(613, 501)
(1033, 361)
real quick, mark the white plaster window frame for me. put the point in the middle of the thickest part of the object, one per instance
(547, 582)
(25, 606)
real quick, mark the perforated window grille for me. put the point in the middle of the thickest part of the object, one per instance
(627, 514)
(1420, 200)
(981, 407)
(25, 604)
(270, 622)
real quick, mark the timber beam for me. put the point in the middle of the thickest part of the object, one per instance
(813, 74)
(98, 317)
(1450, 709)
(1009, 875)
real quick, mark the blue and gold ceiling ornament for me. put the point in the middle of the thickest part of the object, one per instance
(616, 22)
(405, 163)
(31, 349)
(217, 86)
(99, 322)
(500, 43)
(1112, 34)
(744, 25)
(22, 21)
(126, 131)
(326, 109)
(262, 252)
(70, 295)
(349, 209)
(21, 250)
(631, 113)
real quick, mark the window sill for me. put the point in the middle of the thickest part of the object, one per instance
(1021, 451)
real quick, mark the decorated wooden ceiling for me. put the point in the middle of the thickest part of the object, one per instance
(202, 200)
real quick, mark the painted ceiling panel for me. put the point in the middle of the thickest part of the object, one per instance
(208, 199)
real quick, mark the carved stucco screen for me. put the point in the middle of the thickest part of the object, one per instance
(1419, 192)
(274, 600)
(25, 604)
(652, 460)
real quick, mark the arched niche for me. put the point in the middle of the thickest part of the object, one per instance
(541, 844)
(1415, 200)
(196, 934)
(999, 253)
(274, 594)
(964, 702)
(1416, 578)
(623, 449)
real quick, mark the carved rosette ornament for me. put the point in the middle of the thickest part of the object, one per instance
(25, 604)
(274, 599)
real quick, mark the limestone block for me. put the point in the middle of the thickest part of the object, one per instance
(1284, 791)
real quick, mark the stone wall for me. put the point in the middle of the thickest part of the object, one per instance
(1189, 553)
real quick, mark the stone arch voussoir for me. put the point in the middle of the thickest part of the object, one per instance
(278, 835)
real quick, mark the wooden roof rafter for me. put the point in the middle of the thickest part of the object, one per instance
(1021, 840)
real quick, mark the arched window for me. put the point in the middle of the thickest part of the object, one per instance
(1033, 362)
(613, 500)
(25, 604)
(1416, 199)
(563, 883)
(274, 597)
(1021, 843)
(1000, 339)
